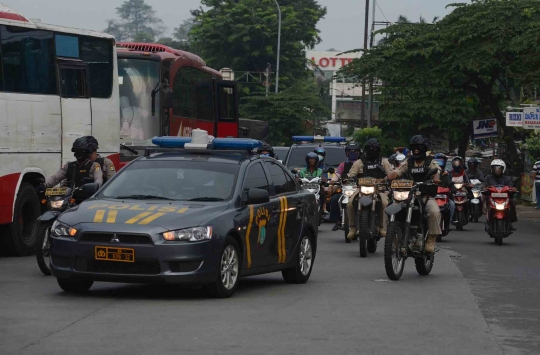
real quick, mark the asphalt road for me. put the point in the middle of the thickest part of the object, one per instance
(480, 298)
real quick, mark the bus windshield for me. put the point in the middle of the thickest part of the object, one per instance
(138, 78)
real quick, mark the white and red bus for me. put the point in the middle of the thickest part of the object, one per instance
(169, 92)
(56, 84)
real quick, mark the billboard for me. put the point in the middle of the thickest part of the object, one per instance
(351, 110)
(485, 128)
(514, 119)
(531, 117)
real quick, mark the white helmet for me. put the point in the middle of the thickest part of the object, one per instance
(400, 158)
(499, 162)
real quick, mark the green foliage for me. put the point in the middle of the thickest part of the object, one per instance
(361, 136)
(138, 22)
(294, 111)
(533, 144)
(242, 35)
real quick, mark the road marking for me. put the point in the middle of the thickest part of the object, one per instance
(138, 217)
(248, 246)
(111, 217)
(98, 218)
(151, 218)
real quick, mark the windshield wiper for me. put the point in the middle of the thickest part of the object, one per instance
(144, 197)
(206, 199)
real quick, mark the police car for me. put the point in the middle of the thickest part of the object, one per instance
(189, 212)
(333, 146)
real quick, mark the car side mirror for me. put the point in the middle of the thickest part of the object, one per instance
(167, 98)
(87, 190)
(257, 196)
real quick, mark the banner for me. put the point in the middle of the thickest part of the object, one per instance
(527, 188)
(514, 119)
(351, 110)
(531, 117)
(485, 128)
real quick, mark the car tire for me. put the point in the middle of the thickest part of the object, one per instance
(305, 256)
(21, 235)
(75, 286)
(229, 263)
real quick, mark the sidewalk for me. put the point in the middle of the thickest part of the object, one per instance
(528, 213)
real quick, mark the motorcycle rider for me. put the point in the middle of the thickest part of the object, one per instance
(446, 181)
(77, 170)
(458, 173)
(266, 150)
(497, 178)
(106, 164)
(312, 171)
(373, 166)
(416, 168)
(473, 172)
(321, 153)
(352, 152)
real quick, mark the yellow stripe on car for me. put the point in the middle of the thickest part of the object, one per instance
(248, 246)
(138, 217)
(98, 218)
(151, 218)
(111, 217)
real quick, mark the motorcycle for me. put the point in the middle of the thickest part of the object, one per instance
(335, 190)
(348, 188)
(476, 202)
(462, 203)
(407, 232)
(498, 214)
(442, 198)
(368, 215)
(313, 185)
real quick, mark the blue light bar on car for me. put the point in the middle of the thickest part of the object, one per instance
(171, 142)
(318, 139)
(236, 143)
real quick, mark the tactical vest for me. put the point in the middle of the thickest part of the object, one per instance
(418, 173)
(371, 169)
(78, 173)
(347, 167)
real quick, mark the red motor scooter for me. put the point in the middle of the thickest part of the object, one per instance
(498, 214)
(442, 198)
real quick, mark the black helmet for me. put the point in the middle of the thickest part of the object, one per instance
(473, 161)
(93, 144)
(353, 148)
(80, 148)
(421, 144)
(265, 147)
(372, 148)
(458, 164)
(312, 155)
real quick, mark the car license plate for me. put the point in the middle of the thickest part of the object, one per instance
(496, 194)
(56, 191)
(126, 255)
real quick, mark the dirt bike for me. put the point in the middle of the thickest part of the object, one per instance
(407, 232)
(349, 188)
(498, 215)
(443, 199)
(367, 216)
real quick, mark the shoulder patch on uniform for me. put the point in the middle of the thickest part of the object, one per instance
(111, 168)
(97, 167)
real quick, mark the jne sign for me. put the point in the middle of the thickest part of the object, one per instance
(485, 128)
(514, 119)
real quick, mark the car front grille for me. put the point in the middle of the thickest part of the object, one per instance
(123, 238)
(148, 267)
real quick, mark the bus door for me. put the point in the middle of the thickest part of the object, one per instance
(205, 107)
(75, 104)
(226, 108)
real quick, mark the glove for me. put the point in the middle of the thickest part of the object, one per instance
(41, 188)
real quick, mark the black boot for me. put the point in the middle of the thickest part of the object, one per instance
(336, 226)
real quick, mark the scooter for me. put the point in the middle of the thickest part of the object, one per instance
(462, 204)
(442, 198)
(313, 185)
(476, 202)
(498, 215)
(348, 188)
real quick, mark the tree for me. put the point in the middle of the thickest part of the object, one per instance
(242, 35)
(138, 22)
(481, 50)
(293, 111)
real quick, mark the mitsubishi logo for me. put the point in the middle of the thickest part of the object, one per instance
(114, 239)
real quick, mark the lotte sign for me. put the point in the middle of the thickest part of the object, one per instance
(328, 60)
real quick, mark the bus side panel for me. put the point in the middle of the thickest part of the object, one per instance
(182, 127)
(227, 129)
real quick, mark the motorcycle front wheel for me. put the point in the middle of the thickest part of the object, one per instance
(425, 264)
(346, 226)
(460, 220)
(499, 235)
(394, 262)
(43, 248)
(364, 232)
(476, 213)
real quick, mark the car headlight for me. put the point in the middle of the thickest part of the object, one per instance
(401, 195)
(195, 234)
(476, 194)
(63, 230)
(57, 204)
(458, 186)
(367, 190)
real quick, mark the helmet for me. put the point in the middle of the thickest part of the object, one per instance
(498, 167)
(458, 164)
(265, 147)
(473, 161)
(321, 153)
(312, 155)
(400, 159)
(392, 159)
(93, 144)
(421, 144)
(441, 159)
(80, 148)
(372, 148)
(353, 151)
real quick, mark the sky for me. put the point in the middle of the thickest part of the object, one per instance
(341, 29)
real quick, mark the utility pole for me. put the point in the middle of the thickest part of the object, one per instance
(278, 46)
(366, 28)
(370, 116)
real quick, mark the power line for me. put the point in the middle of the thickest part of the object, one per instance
(382, 13)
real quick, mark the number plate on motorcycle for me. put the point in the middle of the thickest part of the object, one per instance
(461, 194)
(366, 182)
(497, 194)
(56, 191)
(441, 196)
(402, 184)
(126, 255)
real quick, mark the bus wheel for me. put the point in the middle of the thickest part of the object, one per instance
(21, 235)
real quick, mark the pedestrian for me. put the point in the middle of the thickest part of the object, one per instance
(536, 175)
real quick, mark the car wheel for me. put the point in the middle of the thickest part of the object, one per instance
(229, 271)
(75, 286)
(301, 271)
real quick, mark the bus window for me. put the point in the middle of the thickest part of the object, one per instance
(28, 61)
(73, 82)
(97, 54)
(67, 46)
(185, 91)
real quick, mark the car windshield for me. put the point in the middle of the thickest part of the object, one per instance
(334, 156)
(178, 180)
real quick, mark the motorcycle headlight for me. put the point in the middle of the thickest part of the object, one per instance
(500, 206)
(401, 195)
(311, 186)
(367, 190)
(476, 194)
(349, 193)
(195, 234)
(63, 230)
(57, 204)
(458, 186)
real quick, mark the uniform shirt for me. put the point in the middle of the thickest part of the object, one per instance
(94, 173)
(108, 168)
(358, 168)
(492, 180)
(536, 169)
(404, 168)
(306, 173)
